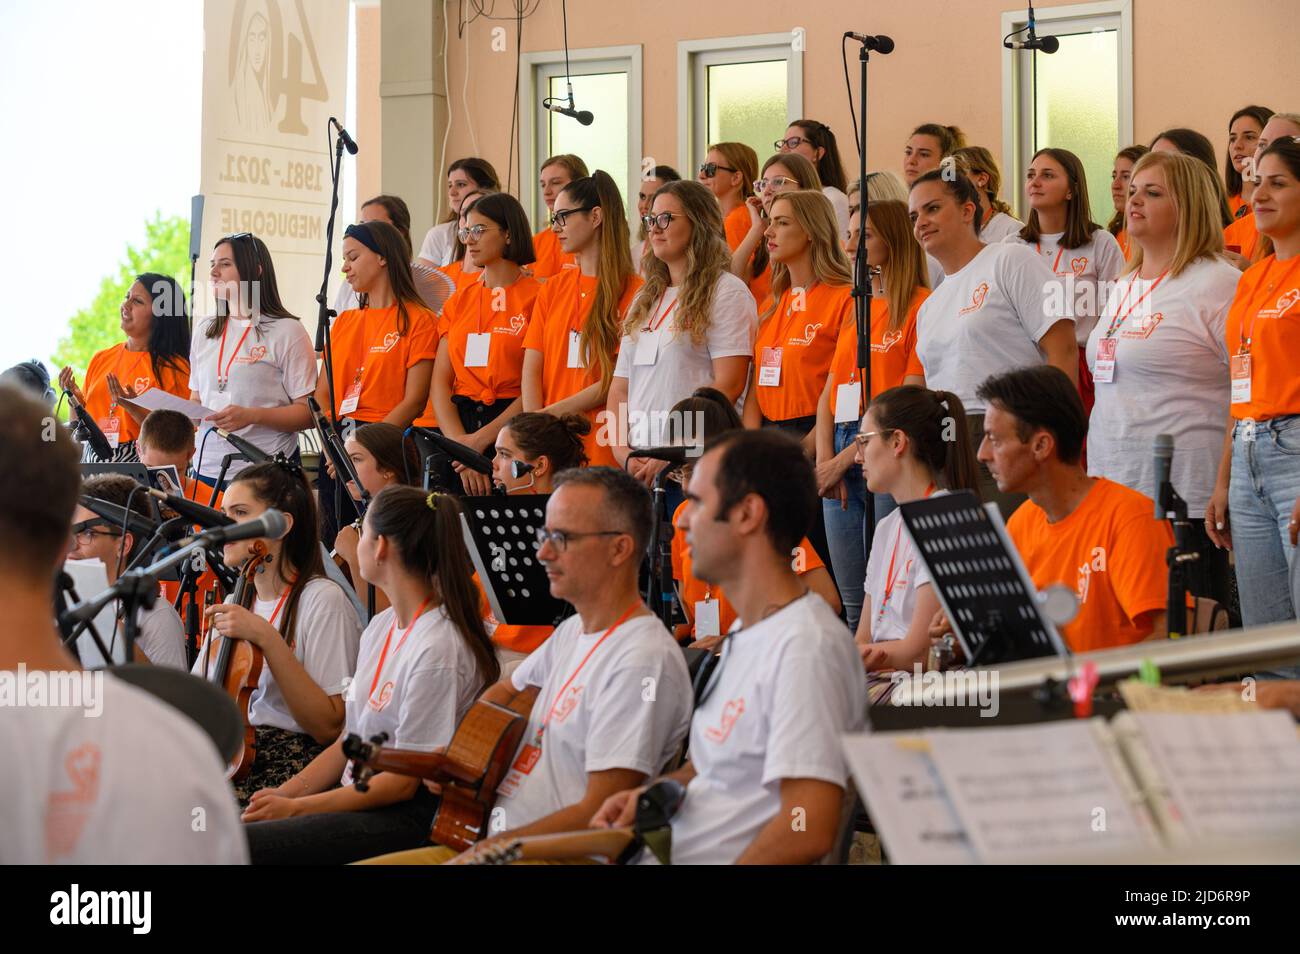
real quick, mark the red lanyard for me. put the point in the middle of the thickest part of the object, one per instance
(1248, 336)
(223, 377)
(1060, 250)
(891, 578)
(559, 695)
(655, 324)
(383, 656)
(1119, 320)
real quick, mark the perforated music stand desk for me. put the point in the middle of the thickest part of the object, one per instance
(501, 535)
(980, 579)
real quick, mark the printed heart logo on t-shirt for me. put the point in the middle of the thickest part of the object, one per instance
(517, 323)
(1285, 302)
(381, 701)
(1146, 324)
(1079, 265)
(809, 332)
(142, 384)
(66, 812)
(889, 339)
(391, 339)
(731, 712)
(567, 704)
(82, 765)
(256, 354)
(977, 299)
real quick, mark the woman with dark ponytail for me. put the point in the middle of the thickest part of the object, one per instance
(303, 623)
(914, 443)
(572, 341)
(422, 663)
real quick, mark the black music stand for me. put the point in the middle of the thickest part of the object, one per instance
(501, 535)
(980, 580)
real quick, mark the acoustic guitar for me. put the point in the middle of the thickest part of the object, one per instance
(469, 771)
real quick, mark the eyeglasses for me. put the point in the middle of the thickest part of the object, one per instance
(864, 438)
(776, 182)
(559, 216)
(83, 532)
(794, 142)
(476, 232)
(710, 169)
(560, 538)
(661, 221)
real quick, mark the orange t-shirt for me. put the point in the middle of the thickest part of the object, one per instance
(367, 348)
(1110, 551)
(461, 278)
(199, 493)
(517, 638)
(1235, 202)
(893, 353)
(470, 311)
(799, 337)
(135, 370)
(1267, 311)
(736, 226)
(1241, 236)
(760, 287)
(1125, 245)
(560, 311)
(550, 257)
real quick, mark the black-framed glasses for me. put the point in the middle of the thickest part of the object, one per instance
(476, 232)
(710, 169)
(661, 221)
(560, 538)
(559, 216)
(793, 142)
(776, 182)
(83, 531)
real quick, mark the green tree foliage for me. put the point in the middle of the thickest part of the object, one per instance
(165, 250)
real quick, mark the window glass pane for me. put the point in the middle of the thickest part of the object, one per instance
(747, 103)
(603, 144)
(1078, 108)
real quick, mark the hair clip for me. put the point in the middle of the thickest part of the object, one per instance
(431, 501)
(291, 467)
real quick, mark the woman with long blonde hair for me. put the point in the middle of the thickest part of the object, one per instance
(572, 341)
(691, 326)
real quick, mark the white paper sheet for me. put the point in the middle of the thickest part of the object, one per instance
(90, 579)
(156, 398)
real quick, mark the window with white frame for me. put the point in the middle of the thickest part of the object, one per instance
(1079, 98)
(737, 89)
(606, 83)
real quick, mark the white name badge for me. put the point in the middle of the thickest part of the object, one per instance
(575, 350)
(647, 347)
(848, 397)
(477, 348)
(1240, 370)
(707, 621)
(769, 369)
(1103, 369)
(351, 398)
(112, 428)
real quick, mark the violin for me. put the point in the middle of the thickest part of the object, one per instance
(236, 664)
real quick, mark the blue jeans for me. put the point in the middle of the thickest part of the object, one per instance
(846, 532)
(1261, 497)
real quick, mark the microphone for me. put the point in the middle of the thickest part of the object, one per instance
(674, 454)
(86, 425)
(1045, 44)
(1164, 460)
(881, 44)
(272, 524)
(205, 517)
(349, 143)
(583, 116)
(246, 447)
(455, 450)
(114, 514)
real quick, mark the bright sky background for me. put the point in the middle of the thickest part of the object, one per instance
(101, 104)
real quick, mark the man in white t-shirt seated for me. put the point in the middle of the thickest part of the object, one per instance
(112, 775)
(766, 781)
(160, 638)
(613, 692)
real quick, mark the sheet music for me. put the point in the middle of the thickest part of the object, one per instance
(1037, 792)
(156, 398)
(1141, 697)
(1228, 775)
(907, 801)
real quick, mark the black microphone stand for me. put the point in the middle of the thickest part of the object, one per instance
(221, 477)
(660, 589)
(1177, 559)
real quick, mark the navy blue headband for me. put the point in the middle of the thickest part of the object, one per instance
(363, 235)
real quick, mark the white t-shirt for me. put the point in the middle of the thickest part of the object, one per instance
(999, 227)
(326, 638)
(986, 318)
(126, 787)
(840, 202)
(275, 366)
(935, 271)
(161, 635)
(629, 708)
(638, 250)
(785, 690)
(1170, 377)
(1089, 268)
(429, 681)
(892, 548)
(438, 243)
(679, 365)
